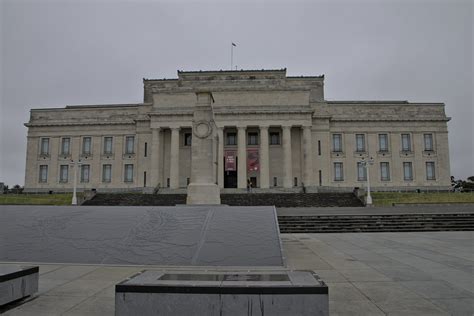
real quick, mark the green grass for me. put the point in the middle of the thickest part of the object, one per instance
(387, 198)
(36, 199)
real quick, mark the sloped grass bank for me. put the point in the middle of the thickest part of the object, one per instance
(388, 198)
(36, 199)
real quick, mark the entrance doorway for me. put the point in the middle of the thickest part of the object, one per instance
(230, 179)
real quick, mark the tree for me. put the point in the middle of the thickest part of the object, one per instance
(17, 189)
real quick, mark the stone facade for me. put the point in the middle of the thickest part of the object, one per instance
(299, 138)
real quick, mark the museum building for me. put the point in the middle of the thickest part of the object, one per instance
(273, 130)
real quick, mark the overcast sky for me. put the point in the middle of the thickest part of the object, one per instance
(55, 53)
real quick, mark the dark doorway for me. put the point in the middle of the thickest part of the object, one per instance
(253, 180)
(230, 179)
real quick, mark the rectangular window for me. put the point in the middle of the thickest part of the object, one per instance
(128, 174)
(168, 182)
(231, 139)
(146, 150)
(338, 172)
(108, 145)
(144, 179)
(383, 142)
(428, 140)
(384, 171)
(63, 173)
(361, 172)
(188, 180)
(275, 181)
(430, 171)
(406, 142)
(360, 142)
(106, 173)
(188, 137)
(295, 182)
(320, 175)
(65, 146)
(86, 145)
(337, 142)
(85, 172)
(252, 139)
(274, 138)
(319, 148)
(407, 171)
(43, 174)
(44, 146)
(129, 145)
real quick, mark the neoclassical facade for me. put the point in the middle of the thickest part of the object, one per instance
(273, 130)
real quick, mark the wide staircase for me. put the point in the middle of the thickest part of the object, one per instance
(245, 199)
(376, 223)
(136, 199)
(292, 199)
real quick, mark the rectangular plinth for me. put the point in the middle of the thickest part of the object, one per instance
(17, 282)
(222, 293)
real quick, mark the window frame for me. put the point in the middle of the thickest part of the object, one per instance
(361, 137)
(231, 136)
(405, 165)
(278, 138)
(41, 168)
(387, 146)
(125, 173)
(360, 166)
(83, 147)
(187, 139)
(335, 168)
(83, 167)
(63, 142)
(387, 164)
(408, 148)
(252, 139)
(42, 141)
(128, 150)
(61, 174)
(431, 137)
(104, 148)
(433, 168)
(333, 141)
(105, 167)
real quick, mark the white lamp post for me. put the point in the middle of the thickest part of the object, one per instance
(366, 165)
(75, 165)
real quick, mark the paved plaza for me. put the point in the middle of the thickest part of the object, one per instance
(426, 273)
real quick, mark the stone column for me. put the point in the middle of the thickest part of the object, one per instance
(287, 164)
(155, 158)
(264, 158)
(307, 157)
(174, 158)
(220, 157)
(242, 158)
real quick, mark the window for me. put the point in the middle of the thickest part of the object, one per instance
(430, 171)
(295, 182)
(252, 139)
(319, 148)
(44, 146)
(383, 142)
(128, 174)
(406, 142)
(428, 140)
(361, 172)
(106, 173)
(274, 138)
(85, 172)
(188, 180)
(146, 150)
(144, 179)
(360, 142)
(338, 172)
(168, 182)
(337, 142)
(65, 146)
(320, 177)
(188, 139)
(231, 139)
(407, 171)
(129, 144)
(63, 173)
(107, 145)
(86, 146)
(275, 181)
(43, 174)
(384, 171)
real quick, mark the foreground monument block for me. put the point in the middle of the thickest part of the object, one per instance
(17, 282)
(203, 189)
(222, 293)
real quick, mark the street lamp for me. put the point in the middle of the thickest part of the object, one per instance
(366, 164)
(75, 165)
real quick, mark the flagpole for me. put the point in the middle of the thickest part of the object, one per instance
(231, 56)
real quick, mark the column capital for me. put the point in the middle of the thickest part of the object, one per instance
(306, 127)
(175, 128)
(263, 127)
(156, 128)
(286, 126)
(242, 127)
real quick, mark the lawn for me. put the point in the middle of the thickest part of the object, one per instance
(387, 198)
(36, 199)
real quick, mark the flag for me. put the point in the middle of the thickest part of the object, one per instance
(233, 44)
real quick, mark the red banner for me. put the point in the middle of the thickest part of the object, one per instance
(230, 160)
(253, 163)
